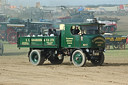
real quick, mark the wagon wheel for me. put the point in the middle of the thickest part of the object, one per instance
(79, 58)
(1, 49)
(122, 45)
(113, 28)
(58, 59)
(22, 34)
(9, 30)
(2, 35)
(107, 46)
(12, 38)
(98, 60)
(36, 58)
(116, 46)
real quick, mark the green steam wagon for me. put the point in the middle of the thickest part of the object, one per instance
(88, 44)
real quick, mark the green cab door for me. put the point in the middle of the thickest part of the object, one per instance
(77, 41)
(70, 40)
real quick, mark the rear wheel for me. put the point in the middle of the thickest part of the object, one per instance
(12, 37)
(98, 60)
(122, 45)
(36, 57)
(57, 59)
(116, 45)
(79, 58)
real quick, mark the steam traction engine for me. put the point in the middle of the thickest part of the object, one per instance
(87, 45)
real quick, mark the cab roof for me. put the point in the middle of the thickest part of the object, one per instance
(84, 23)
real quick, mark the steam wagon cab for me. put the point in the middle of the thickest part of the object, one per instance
(79, 41)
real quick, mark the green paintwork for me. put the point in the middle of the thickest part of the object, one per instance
(81, 41)
(93, 41)
(77, 58)
(39, 42)
(68, 40)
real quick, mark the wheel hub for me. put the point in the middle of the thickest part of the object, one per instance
(77, 58)
(36, 58)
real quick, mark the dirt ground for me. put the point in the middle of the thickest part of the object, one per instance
(16, 70)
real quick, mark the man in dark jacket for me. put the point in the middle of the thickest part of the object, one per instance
(76, 31)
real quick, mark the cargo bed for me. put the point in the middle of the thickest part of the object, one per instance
(39, 42)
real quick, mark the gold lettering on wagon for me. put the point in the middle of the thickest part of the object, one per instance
(69, 40)
(99, 42)
(85, 44)
(25, 43)
(36, 39)
(98, 38)
(49, 41)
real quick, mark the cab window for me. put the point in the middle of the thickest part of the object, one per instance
(90, 29)
(75, 30)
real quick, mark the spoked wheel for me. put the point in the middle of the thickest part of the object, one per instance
(116, 45)
(107, 47)
(79, 58)
(98, 60)
(122, 45)
(36, 57)
(12, 38)
(1, 49)
(57, 59)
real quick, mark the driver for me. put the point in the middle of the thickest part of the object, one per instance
(76, 31)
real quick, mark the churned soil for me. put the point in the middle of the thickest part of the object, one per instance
(15, 69)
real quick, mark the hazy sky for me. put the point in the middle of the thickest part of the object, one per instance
(65, 2)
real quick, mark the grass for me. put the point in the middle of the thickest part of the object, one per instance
(122, 32)
(116, 57)
(112, 57)
(13, 48)
(117, 53)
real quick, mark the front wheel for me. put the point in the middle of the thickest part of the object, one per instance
(36, 57)
(79, 58)
(98, 60)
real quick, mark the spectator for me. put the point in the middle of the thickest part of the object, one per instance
(127, 40)
(50, 32)
(54, 32)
